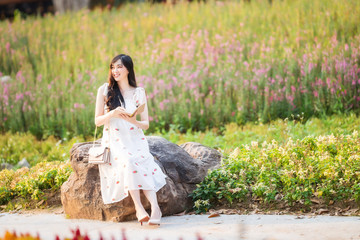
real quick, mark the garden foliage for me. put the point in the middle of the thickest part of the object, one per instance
(323, 168)
(31, 183)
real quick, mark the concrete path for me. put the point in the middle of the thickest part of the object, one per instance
(188, 227)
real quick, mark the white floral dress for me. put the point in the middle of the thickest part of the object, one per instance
(131, 165)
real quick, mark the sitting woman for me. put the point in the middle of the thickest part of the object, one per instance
(132, 167)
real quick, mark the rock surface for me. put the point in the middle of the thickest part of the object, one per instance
(23, 163)
(205, 154)
(81, 195)
(6, 166)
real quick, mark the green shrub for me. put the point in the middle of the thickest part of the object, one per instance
(31, 183)
(323, 167)
(15, 147)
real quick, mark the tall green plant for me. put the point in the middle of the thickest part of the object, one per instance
(202, 64)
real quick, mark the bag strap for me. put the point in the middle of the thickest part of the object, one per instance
(106, 85)
(95, 136)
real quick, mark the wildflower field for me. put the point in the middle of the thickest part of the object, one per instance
(202, 64)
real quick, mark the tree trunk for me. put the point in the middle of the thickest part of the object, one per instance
(62, 6)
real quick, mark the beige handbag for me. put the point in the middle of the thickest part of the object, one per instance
(100, 154)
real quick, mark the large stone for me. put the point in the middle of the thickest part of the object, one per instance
(208, 156)
(6, 166)
(23, 163)
(81, 195)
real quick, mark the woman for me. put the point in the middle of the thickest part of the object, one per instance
(132, 167)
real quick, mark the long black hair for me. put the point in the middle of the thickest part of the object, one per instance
(114, 96)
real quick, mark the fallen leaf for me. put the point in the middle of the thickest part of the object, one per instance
(39, 203)
(215, 214)
(234, 190)
(314, 200)
(61, 211)
(231, 211)
(322, 210)
(180, 214)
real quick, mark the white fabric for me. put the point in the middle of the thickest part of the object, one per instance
(131, 165)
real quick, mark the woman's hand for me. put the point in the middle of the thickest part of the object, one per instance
(130, 119)
(118, 112)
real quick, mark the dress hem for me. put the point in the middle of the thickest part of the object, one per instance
(128, 194)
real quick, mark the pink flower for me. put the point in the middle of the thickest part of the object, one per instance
(20, 77)
(161, 105)
(192, 85)
(7, 46)
(78, 105)
(19, 96)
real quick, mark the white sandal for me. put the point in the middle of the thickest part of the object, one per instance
(153, 220)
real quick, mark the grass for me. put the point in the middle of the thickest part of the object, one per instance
(233, 135)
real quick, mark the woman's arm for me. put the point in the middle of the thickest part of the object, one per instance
(144, 123)
(144, 116)
(100, 117)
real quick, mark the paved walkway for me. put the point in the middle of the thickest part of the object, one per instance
(188, 227)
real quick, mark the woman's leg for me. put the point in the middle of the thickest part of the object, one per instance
(155, 209)
(140, 211)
